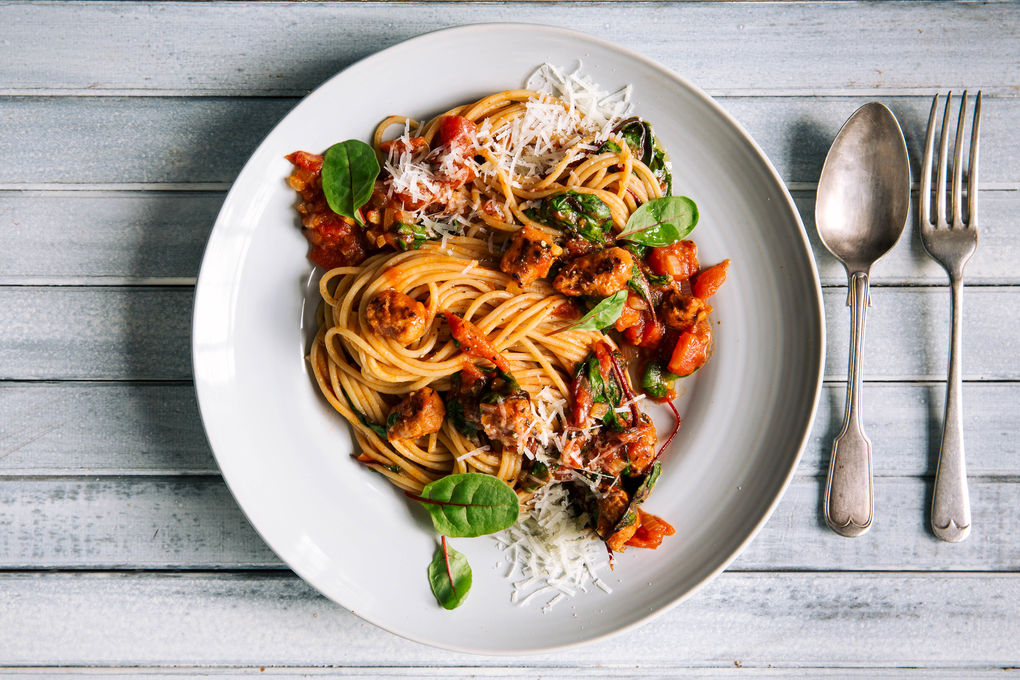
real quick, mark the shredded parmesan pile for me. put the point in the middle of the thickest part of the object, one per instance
(552, 551)
(531, 145)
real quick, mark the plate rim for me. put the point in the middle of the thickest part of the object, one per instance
(745, 138)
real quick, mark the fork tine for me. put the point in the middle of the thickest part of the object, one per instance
(972, 168)
(957, 209)
(924, 208)
(940, 181)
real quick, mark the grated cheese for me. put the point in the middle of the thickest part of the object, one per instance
(530, 146)
(554, 550)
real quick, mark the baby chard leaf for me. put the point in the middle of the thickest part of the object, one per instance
(602, 315)
(661, 221)
(470, 504)
(349, 170)
(449, 576)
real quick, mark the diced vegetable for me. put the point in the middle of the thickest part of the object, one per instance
(650, 532)
(691, 350)
(679, 260)
(411, 236)
(708, 281)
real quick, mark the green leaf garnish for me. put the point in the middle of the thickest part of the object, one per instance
(411, 236)
(644, 145)
(449, 576)
(602, 315)
(657, 380)
(583, 214)
(470, 504)
(349, 170)
(661, 221)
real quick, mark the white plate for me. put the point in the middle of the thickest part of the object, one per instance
(286, 455)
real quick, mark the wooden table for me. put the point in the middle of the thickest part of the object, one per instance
(121, 551)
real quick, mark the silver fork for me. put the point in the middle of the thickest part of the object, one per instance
(951, 239)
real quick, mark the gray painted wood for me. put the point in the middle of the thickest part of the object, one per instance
(101, 429)
(737, 668)
(121, 124)
(255, 48)
(187, 139)
(128, 333)
(798, 619)
(74, 235)
(193, 523)
(71, 429)
(158, 236)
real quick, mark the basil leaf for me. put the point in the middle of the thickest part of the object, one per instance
(349, 170)
(449, 576)
(392, 419)
(583, 214)
(657, 380)
(656, 280)
(470, 504)
(661, 221)
(603, 314)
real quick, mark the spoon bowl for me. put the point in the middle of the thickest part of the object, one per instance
(864, 188)
(860, 211)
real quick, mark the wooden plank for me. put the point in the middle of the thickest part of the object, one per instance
(908, 334)
(908, 263)
(736, 669)
(102, 429)
(276, 48)
(96, 333)
(75, 235)
(793, 619)
(128, 333)
(208, 139)
(193, 523)
(132, 236)
(904, 423)
(139, 429)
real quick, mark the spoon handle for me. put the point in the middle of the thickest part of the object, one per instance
(849, 490)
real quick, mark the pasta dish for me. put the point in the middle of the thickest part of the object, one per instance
(513, 263)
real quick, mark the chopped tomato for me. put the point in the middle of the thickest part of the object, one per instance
(679, 260)
(708, 281)
(691, 350)
(457, 131)
(335, 242)
(306, 161)
(628, 317)
(647, 332)
(456, 167)
(651, 530)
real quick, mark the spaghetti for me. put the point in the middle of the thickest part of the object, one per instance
(448, 335)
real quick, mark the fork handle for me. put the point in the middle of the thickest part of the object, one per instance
(950, 506)
(849, 491)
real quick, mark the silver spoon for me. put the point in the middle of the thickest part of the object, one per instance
(861, 210)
